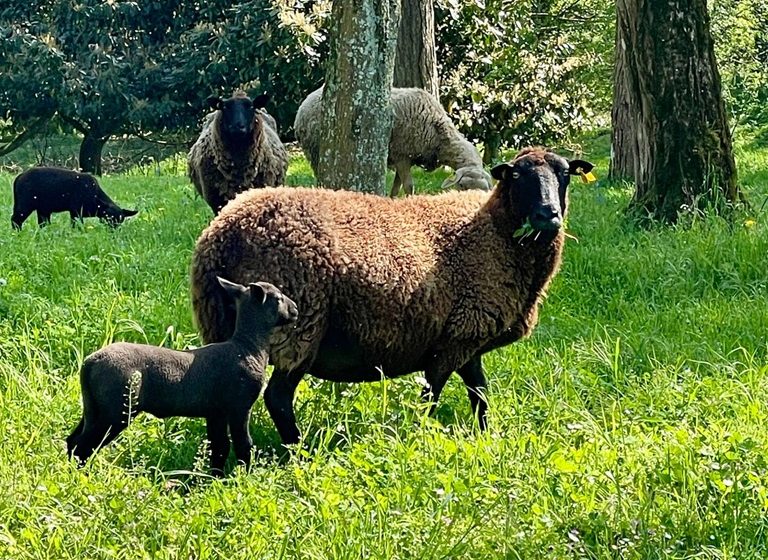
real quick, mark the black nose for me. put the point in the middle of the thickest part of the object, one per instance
(546, 219)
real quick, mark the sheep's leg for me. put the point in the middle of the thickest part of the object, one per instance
(408, 183)
(241, 436)
(43, 219)
(472, 374)
(75, 217)
(436, 379)
(278, 398)
(18, 218)
(396, 182)
(216, 427)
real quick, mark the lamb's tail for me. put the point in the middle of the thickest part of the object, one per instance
(213, 309)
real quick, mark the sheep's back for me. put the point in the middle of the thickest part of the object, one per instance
(376, 268)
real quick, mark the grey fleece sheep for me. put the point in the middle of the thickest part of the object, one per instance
(238, 149)
(466, 279)
(422, 134)
(219, 382)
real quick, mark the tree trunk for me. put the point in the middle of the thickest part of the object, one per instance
(357, 115)
(90, 153)
(684, 159)
(416, 59)
(623, 139)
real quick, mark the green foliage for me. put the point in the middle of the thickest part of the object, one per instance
(516, 73)
(740, 28)
(631, 425)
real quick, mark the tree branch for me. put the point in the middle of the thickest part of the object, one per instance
(8, 147)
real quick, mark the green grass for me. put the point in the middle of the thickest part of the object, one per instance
(631, 425)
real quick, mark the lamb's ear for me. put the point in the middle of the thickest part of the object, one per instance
(258, 291)
(579, 166)
(501, 171)
(233, 289)
(129, 213)
(260, 101)
(214, 102)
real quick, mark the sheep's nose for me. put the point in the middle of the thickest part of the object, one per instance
(546, 218)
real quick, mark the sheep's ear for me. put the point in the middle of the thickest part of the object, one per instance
(258, 293)
(449, 182)
(129, 213)
(501, 171)
(214, 102)
(260, 101)
(579, 166)
(233, 289)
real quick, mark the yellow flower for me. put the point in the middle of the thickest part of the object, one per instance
(749, 223)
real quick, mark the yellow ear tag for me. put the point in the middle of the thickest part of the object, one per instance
(586, 177)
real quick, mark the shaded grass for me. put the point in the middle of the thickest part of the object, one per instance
(631, 425)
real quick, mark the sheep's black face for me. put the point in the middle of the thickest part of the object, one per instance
(537, 183)
(116, 216)
(237, 116)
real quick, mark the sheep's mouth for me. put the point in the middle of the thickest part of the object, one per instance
(551, 224)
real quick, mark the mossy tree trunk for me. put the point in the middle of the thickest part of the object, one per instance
(682, 154)
(357, 115)
(416, 58)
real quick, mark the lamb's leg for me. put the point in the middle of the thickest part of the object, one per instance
(278, 398)
(95, 435)
(74, 436)
(219, 442)
(472, 374)
(75, 217)
(241, 436)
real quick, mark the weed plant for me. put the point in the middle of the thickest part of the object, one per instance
(632, 424)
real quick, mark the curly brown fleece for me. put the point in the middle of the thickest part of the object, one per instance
(391, 283)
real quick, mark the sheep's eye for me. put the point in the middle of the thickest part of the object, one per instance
(515, 174)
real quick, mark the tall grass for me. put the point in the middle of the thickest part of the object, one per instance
(631, 425)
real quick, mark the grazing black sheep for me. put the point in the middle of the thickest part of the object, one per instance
(219, 382)
(52, 189)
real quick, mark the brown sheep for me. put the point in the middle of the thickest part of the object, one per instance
(468, 276)
(238, 149)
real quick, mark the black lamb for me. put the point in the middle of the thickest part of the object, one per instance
(219, 382)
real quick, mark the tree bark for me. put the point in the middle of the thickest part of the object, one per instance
(623, 139)
(416, 58)
(357, 115)
(90, 153)
(684, 158)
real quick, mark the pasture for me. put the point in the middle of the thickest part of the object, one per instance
(632, 424)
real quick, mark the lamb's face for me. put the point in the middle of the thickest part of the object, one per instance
(277, 305)
(537, 183)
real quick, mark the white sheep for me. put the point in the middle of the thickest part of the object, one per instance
(422, 134)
